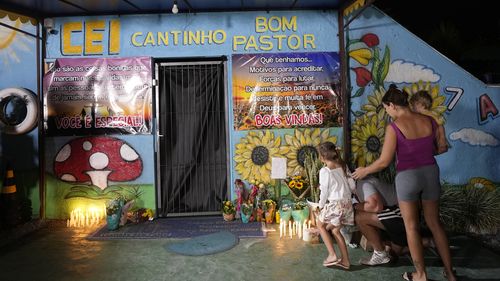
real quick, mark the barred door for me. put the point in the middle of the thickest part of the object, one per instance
(192, 165)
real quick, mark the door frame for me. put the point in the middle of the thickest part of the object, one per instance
(157, 62)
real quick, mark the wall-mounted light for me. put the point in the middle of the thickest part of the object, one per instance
(49, 25)
(175, 10)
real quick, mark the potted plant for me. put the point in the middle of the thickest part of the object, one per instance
(246, 212)
(300, 212)
(228, 210)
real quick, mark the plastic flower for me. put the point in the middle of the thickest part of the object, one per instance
(363, 76)
(481, 183)
(367, 139)
(363, 55)
(148, 214)
(302, 142)
(228, 207)
(438, 108)
(253, 155)
(114, 206)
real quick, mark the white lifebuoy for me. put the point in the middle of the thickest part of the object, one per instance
(31, 118)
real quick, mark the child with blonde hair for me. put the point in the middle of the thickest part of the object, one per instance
(421, 102)
(336, 211)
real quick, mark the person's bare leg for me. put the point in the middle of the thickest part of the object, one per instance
(369, 226)
(431, 215)
(410, 214)
(327, 239)
(344, 260)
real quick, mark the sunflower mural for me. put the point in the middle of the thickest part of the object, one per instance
(367, 139)
(254, 152)
(253, 155)
(302, 142)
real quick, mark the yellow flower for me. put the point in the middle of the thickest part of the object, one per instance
(481, 183)
(302, 142)
(438, 108)
(253, 155)
(363, 55)
(367, 139)
(375, 106)
(299, 185)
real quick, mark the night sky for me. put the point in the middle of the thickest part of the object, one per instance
(467, 32)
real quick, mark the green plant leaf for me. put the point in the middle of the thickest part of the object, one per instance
(359, 92)
(384, 68)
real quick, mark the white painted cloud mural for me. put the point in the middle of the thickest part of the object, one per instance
(408, 72)
(474, 137)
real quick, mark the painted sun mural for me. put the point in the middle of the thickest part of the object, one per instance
(12, 42)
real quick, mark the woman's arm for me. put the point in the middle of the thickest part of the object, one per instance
(388, 150)
(442, 145)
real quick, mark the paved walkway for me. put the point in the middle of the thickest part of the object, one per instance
(55, 253)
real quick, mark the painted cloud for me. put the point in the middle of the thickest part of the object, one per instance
(408, 72)
(474, 137)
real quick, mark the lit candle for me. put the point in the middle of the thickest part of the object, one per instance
(281, 228)
(299, 229)
(309, 224)
(307, 235)
(290, 229)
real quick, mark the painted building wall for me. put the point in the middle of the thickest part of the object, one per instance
(382, 52)
(18, 70)
(197, 35)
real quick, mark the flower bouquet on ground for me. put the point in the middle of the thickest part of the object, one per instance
(228, 210)
(269, 210)
(113, 212)
(298, 186)
(246, 212)
(285, 211)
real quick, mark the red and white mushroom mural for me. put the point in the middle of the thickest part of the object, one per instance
(97, 160)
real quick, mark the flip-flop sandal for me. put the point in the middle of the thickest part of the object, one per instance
(408, 276)
(341, 266)
(330, 263)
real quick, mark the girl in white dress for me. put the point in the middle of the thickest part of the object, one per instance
(336, 188)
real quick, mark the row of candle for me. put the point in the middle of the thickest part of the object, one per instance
(80, 218)
(295, 228)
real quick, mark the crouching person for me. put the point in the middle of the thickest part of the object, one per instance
(378, 210)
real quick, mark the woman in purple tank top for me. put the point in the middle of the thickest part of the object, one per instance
(411, 137)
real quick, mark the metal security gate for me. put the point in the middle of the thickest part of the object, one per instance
(192, 137)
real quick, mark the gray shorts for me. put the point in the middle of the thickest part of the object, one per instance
(418, 184)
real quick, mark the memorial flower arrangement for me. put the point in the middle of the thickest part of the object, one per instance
(228, 207)
(298, 186)
(300, 205)
(114, 206)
